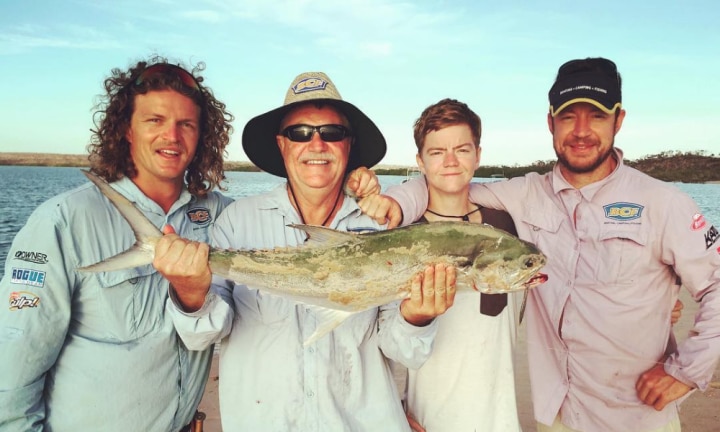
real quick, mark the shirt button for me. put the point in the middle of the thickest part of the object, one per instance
(310, 394)
(311, 350)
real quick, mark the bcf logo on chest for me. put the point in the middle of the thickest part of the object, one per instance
(622, 211)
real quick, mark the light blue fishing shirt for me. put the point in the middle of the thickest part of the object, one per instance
(269, 381)
(95, 351)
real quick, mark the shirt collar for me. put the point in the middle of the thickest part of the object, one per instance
(277, 199)
(130, 190)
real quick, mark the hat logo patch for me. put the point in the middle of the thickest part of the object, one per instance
(309, 84)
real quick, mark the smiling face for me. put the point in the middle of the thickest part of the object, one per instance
(583, 138)
(163, 137)
(315, 164)
(449, 159)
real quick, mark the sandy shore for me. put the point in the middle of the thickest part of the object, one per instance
(700, 412)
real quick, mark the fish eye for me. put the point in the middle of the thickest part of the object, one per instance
(529, 262)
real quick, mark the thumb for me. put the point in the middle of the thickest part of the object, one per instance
(395, 217)
(168, 229)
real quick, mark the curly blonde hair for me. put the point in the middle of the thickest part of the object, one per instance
(109, 149)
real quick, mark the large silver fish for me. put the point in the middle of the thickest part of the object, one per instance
(346, 273)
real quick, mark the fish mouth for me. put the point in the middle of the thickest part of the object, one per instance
(536, 280)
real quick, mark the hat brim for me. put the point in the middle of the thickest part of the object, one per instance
(607, 107)
(260, 144)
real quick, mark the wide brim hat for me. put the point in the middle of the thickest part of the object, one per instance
(259, 135)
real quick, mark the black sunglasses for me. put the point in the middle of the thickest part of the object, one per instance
(304, 133)
(169, 69)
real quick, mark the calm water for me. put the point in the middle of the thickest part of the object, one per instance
(27, 187)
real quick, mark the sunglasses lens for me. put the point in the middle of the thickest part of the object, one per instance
(304, 133)
(300, 133)
(332, 133)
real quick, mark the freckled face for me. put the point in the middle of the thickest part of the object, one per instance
(449, 158)
(163, 137)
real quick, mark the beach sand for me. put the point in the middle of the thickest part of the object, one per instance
(699, 413)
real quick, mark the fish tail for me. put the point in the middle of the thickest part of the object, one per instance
(146, 234)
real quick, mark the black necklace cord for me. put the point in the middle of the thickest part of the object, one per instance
(302, 218)
(464, 218)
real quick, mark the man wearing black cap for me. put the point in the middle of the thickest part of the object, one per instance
(619, 244)
(269, 380)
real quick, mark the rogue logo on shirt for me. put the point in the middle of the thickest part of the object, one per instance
(622, 211)
(199, 216)
(33, 257)
(28, 277)
(23, 299)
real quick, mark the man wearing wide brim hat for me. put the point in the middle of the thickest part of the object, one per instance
(270, 379)
(368, 143)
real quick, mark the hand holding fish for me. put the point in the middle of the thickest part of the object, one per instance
(676, 312)
(382, 209)
(184, 264)
(432, 292)
(657, 388)
(415, 426)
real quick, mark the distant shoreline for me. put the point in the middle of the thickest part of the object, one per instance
(668, 166)
(81, 161)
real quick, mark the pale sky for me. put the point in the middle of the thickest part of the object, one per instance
(389, 58)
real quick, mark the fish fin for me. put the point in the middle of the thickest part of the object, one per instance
(134, 257)
(328, 320)
(522, 307)
(146, 234)
(320, 235)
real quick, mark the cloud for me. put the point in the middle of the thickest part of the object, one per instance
(26, 37)
(353, 28)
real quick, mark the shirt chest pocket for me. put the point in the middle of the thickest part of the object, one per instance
(130, 303)
(620, 254)
(544, 225)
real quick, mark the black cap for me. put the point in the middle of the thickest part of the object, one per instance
(592, 80)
